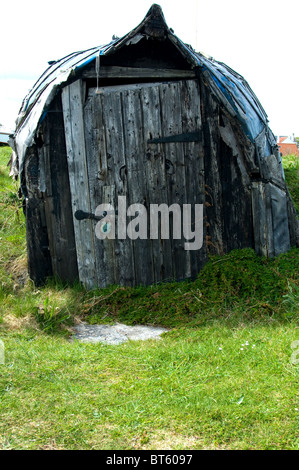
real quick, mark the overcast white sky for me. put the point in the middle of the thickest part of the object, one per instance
(259, 39)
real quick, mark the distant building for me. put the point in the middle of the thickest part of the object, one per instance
(287, 145)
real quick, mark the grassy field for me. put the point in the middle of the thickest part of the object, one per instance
(224, 377)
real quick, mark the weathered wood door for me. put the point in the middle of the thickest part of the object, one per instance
(142, 141)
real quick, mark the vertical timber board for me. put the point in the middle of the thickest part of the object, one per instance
(194, 163)
(262, 219)
(235, 201)
(67, 268)
(155, 174)
(39, 262)
(115, 155)
(281, 235)
(101, 186)
(236, 194)
(109, 261)
(54, 183)
(95, 167)
(170, 98)
(213, 189)
(46, 188)
(63, 233)
(269, 220)
(137, 185)
(72, 102)
(256, 218)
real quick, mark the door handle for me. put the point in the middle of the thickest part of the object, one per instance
(81, 215)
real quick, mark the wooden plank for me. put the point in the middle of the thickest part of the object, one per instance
(259, 218)
(101, 186)
(39, 262)
(109, 260)
(170, 101)
(46, 188)
(54, 184)
(262, 219)
(281, 235)
(96, 168)
(117, 167)
(213, 189)
(138, 72)
(72, 101)
(120, 88)
(137, 187)
(194, 163)
(155, 174)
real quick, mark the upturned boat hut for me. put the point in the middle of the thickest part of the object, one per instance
(146, 121)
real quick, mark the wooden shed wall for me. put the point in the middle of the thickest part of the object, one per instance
(50, 233)
(74, 165)
(93, 147)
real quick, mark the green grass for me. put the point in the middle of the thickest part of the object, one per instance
(224, 377)
(12, 227)
(240, 286)
(194, 389)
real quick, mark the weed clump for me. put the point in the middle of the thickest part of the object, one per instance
(240, 283)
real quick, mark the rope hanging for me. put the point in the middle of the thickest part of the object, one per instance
(98, 66)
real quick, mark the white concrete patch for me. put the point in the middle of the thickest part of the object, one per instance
(115, 334)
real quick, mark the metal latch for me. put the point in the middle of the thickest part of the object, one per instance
(186, 137)
(81, 215)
